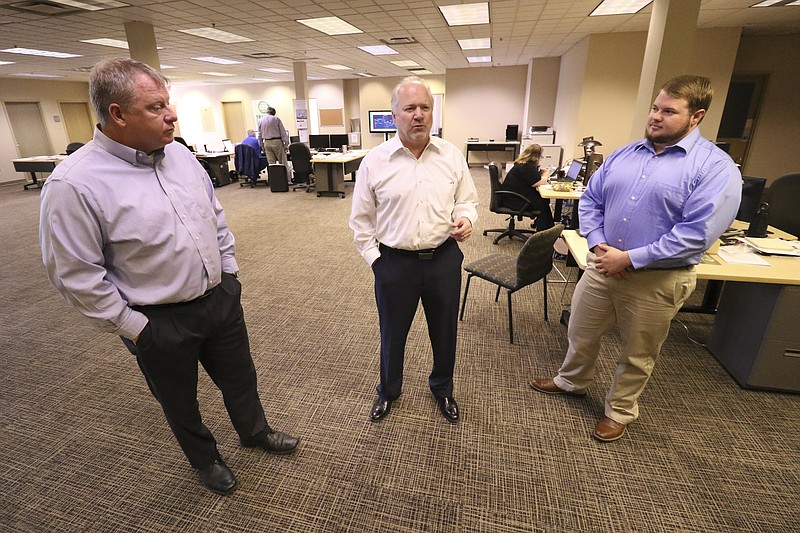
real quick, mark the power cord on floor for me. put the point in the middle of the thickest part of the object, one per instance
(688, 335)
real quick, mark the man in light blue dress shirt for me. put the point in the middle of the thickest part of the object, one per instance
(649, 213)
(134, 238)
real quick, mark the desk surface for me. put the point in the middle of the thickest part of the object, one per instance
(499, 143)
(40, 159)
(784, 270)
(546, 191)
(338, 157)
(210, 155)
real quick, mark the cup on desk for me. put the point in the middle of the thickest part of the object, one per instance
(344, 148)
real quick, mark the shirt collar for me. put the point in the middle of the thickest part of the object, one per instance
(126, 153)
(686, 144)
(434, 143)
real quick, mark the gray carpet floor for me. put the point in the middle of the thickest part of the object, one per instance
(85, 447)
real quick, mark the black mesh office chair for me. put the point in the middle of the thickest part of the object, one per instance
(496, 206)
(73, 147)
(300, 156)
(783, 196)
(533, 263)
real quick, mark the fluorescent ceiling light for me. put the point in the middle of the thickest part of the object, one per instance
(263, 79)
(165, 67)
(6, 62)
(379, 50)
(217, 35)
(275, 70)
(619, 7)
(419, 71)
(330, 26)
(475, 44)
(337, 67)
(114, 43)
(92, 5)
(221, 74)
(770, 3)
(33, 75)
(405, 63)
(316, 78)
(217, 60)
(480, 59)
(43, 53)
(365, 74)
(466, 14)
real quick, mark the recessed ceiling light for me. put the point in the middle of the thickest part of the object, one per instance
(466, 14)
(337, 67)
(419, 71)
(379, 50)
(217, 35)
(777, 3)
(43, 53)
(221, 74)
(475, 44)
(480, 59)
(6, 62)
(365, 74)
(275, 70)
(330, 26)
(114, 43)
(217, 60)
(165, 67)
(92, 5)
(405, 63)
(34, 75)
(316, 78)
(619, 7)
(263, 79)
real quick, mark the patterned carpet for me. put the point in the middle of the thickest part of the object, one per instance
(86, 448)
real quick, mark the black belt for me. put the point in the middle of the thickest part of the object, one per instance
(177, 304)
(422, 255)
(274, 139)
(656, 269)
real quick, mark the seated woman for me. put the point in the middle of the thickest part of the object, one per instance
(524, 177)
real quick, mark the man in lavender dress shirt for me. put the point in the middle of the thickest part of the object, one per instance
(649, 214)
(134, 238)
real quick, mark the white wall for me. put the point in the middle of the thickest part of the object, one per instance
(49, 94)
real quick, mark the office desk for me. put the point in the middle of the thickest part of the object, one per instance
(754, 334)
(332, 168)
(40, 163)
(492, 146)
(547, 192)
(218, 166)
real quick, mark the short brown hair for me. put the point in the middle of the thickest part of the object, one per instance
(696, 90)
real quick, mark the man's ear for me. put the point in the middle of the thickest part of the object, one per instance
(697, 116)
(115, 112)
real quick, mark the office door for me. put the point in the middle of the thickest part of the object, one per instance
(233, 114)
(27, 127)
(77, 121)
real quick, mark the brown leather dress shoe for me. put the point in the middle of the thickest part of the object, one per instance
(608, 430)
(548, 386)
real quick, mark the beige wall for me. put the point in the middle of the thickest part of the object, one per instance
(568, 105)
(774, 143)
(49, 94)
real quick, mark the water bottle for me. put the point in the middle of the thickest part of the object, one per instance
(758, 226)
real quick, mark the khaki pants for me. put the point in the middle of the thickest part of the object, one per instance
(642, 307)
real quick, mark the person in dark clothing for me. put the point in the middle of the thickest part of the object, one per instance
(523, 178)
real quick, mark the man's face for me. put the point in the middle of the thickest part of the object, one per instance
(670, 120)
(149, 120)
(414, 114)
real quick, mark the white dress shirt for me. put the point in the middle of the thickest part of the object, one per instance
(409, 203)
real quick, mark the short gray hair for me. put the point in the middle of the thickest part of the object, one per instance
(407, 81)
(112, 82)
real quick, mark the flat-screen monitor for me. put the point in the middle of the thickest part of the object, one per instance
(319, 141)
(337, 140)
(381, 122)
(294, 138)
(752, 190)
(227, 145)
(574, 171)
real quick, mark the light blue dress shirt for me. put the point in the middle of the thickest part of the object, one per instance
(120, 228)
(664, 209)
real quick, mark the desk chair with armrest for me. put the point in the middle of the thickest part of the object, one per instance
(73, 147)
(247, 162)
(533, 263)
(496, 206)
(784, 203)
(301, 164)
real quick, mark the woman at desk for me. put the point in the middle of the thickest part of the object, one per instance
(524, 178)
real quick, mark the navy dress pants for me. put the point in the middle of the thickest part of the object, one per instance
(402, 279)
(209, 330)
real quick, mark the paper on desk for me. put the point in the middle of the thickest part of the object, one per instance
(740, 254)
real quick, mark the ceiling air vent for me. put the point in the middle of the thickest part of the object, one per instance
(43, 8)
(398, 40)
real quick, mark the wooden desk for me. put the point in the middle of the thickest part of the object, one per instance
(218, 167)
(40, 163)
(547, 192)
(334, 166)
(491, 146)
(755, 334)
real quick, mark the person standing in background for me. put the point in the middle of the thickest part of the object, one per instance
(650, 212)
(414, 201)
(134, 238)
(273, 137)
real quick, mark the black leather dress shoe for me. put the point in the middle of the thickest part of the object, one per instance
(380, 409)
(275, 442)
(449, 408)
(218, 478)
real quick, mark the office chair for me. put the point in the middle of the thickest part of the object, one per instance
(247, 162)
(183, 142)
(496, 206)
(533, 263)
(301, 164)
(783, 195)
(73, 147)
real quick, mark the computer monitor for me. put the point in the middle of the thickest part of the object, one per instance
(752, 190)
(381, 122)
(574, 172)
(294, 138)
(319, 141)
(227, 145)
(337, 140)
(512, 132)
